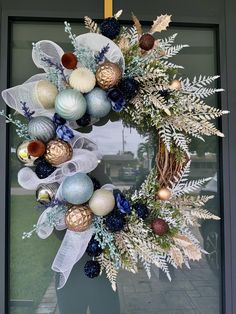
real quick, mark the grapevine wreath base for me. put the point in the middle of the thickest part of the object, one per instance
(120, 69)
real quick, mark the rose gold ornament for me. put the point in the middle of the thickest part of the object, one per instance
(160, 226)
(58, 152)
(175, 84)
(78, 218)
(108, 75)
(163, 194)
(146, 42)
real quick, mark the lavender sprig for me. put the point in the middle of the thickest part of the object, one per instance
(27, 113)
(101, 54)
(58, 67)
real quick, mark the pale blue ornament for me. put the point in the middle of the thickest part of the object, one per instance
(70, 104)
(41, 128)
(77, 189)
(98, 105)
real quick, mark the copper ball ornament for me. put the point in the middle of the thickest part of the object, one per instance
(146, 42)
(57, 152)
(175, 85)
(46, 192)
(23, 154)
(163, 194)
(36, 148)
(78, 218)
(69, 60)
(108, 74)
(160, 226)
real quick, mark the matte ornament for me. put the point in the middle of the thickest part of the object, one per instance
(70, 104)
(108, 75)
(82, 79)
(175, 85)
(78, 218)
(69, 60)
(102, 202)
(43, 169)
(92, 269)
(58, 152)
(36, 148)
(23, 154)
(163, 194)
(146, 42)
(160, 226)
(77, 189)
(98, 104)
(45, 93)
(41, 128)
(46, 192)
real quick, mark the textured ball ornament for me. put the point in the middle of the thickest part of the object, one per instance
(70, 104)
(163, 194)
(78, 218)
(115, 221)
(46, 192)
(102, 202)
(58, 152)
(77, 189)
(41, 128)
(93, 248)
(142, 211)
(43, 169)
(92, 269)
(146, 42)
(36, 148)
(98, 105)
(160, 226)
(129, 87)
(45, 93)
(23, 154)
(69, 60)
(110, 27)
(175, 85)
(82, 79)
(108, 75)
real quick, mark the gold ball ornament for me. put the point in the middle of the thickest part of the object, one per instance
(82, 79)
(78, 218)
(175, 85)
(108, 74)
(23, 154)
(57, 152)
(163, 194)
(45, 94)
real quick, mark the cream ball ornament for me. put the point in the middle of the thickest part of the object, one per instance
(82, 79)
(45, 94)
(102, 202)
(98, 104)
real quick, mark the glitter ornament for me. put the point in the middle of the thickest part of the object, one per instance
(175, 85)
(77, 189)
(110, 27)
(163, 194)
(41, 128)
(69, 60)
(23, 154)
(98, 105)
(58, 151)
(43, 169)
(78, 218)
(85, 120)
(82, 79)
(36, 148)
(160, 226)
(141, 210)
(45, 94)
(129, 87)
(46, 192)
(108, 75)
(102, 202)
(92, 269)
(146, 42)
(115, 221)
(94, 249)
(70, 104)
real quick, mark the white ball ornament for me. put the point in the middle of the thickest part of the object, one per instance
(70, 104)
(45, 94)
(98, 104)
(82, 79)
(102, 202)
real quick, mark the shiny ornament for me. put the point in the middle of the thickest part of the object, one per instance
(115, 221)
(70, 104)
(175, 85)
(57, 152)
(46, 192)
(94, 249)
(85, 120)
(146, 42)
(98, 105)
(78, 218)
(110, 27)
(23, 154)
(43, 169)
(92, 269)
(129, 87)
(36, 148)
(163, 194)
(45, 93)
(102, 202)
(69, 60)
(82, 79)
(108, 75)
(77, 189)
(160, 226)
(41, 128)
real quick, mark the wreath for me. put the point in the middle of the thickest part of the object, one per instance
(120, 69)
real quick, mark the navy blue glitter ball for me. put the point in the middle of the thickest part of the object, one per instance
(93, 248)
(115, 221)
(142, 211)
(129, 87)
(85, 120)
(110, 27)
(92, 269)
(43, 169)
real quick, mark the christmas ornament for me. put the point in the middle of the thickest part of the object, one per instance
(102, 202)
(57, 152)
(98, 105)
(45, 93)
(36, 148)
(160, 226)
(146, 42)
(41, 128)
(85, 120)
(163, 194)
(69, 60)
(108, 75)
(117, 99)
(77, 189)
(115, 221)
(70, 104)
(94, 249)
(78, 218)
(110, 27)
(23, 154)
(82, 79)
(43, 169)
(175, 85)
(129, 87)
(141, 210)
(92, 269)
(46, 192)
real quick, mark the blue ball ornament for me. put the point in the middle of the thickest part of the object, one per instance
(70, 104)
(115, 221)
(98, 104)
(94, 249)
(77, 189)
(92, 269)
(43, 169)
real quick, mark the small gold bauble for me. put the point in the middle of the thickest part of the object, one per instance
(175, 84)
(78, 218)
(23, 154)
(45, 93)
(108, 75)
(58, 152)
(163, 194)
